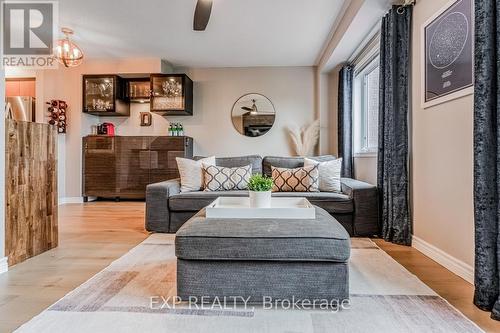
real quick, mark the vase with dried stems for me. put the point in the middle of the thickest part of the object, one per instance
(304, 139)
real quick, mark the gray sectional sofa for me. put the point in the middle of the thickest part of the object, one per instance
(356, 208)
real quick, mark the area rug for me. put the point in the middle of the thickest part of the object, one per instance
(136, 293)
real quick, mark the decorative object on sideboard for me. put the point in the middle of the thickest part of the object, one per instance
(253, 115)
(66, 52)
(447, 59)
(260, 187)
(175, 129)
(106, 129)
(146, 119)
(57, 114)
(304, 139)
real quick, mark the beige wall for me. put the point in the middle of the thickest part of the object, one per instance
(216, 89)
(291, 89)
(442, 161)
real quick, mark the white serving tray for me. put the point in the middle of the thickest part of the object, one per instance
(281, 208)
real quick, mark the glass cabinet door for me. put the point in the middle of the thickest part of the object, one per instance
(99, 94)
(167, 93)
(139, 90)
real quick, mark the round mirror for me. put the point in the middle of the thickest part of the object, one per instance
(253, 115)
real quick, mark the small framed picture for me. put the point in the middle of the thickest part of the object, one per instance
(448, 57)
(146, 119)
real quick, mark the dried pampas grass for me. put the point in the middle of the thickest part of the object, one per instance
(305, 139)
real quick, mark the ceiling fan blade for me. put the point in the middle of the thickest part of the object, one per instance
(246, 108)
(202, 14)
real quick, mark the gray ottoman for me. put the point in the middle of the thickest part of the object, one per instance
(263, 258)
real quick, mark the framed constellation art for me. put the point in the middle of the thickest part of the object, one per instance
(447, 62)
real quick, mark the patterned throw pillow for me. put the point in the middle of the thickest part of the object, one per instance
(305, 179)
(218, 178)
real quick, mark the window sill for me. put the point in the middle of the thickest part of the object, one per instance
(365, 155)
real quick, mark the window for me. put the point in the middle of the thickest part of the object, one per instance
(366, 103)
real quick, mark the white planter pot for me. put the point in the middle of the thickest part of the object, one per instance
(260, 199)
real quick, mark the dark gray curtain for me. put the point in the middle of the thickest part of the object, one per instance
(345, 120)
(487, 156)
(393, 168)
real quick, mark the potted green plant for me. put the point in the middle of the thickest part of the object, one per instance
(260, 191)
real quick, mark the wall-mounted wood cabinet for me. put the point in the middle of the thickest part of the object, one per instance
(138, 90)
(172, 94)
(111, 95)
(122, 166)
(104, 95)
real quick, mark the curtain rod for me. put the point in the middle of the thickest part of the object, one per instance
(367, 47)
(405, 3)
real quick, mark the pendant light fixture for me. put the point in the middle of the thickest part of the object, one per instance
(67, 52)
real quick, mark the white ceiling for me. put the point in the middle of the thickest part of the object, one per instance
(240, 33)
(365, 23)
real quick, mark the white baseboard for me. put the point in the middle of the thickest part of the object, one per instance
(68, 200)
(4, 266)
(465, 271)
(73, 200)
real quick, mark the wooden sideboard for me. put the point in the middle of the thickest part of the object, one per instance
(31, 189)
(122, 166)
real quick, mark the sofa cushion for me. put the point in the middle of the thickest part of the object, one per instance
(288, 162)
(319, 239)
(194, 201)
(239, 161)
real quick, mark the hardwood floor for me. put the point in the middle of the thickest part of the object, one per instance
(453, 288)
(92, 235)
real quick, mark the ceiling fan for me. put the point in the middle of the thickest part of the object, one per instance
(202, 14)
(253, 110)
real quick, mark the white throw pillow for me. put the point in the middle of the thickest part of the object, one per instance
(191, 172)
(329, 174)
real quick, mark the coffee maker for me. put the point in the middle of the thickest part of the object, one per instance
(106, 129)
